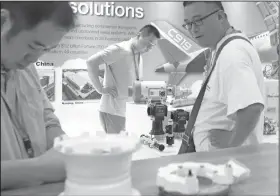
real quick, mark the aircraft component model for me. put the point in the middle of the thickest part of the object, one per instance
(183, 56)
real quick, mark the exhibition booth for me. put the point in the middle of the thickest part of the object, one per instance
(102, 24)
(175, 66)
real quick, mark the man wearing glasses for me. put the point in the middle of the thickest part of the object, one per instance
(231, 113)
(28, 122)
(122, 62)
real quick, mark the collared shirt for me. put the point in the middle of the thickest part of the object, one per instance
(236, 82)
(35, 114)
(120, 72)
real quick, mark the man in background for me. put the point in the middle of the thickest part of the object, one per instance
(231, 113)
(122, 62)
(28, 122)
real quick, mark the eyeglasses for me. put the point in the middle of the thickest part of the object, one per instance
(198, 22)
(152, 44)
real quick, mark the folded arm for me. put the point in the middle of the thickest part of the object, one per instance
(47, 168)
(18, 173)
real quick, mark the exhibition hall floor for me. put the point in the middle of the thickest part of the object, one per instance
(78, 118)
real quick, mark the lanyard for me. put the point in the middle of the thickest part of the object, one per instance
(136, 65)
(23, 134)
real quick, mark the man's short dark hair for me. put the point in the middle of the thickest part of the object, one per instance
(28, 14)
(218, 3)
(150, 29)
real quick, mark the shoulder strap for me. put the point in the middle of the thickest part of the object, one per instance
(222, 46)
(200, 96)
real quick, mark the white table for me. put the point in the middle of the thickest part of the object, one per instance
(76, 119)
(146, 152)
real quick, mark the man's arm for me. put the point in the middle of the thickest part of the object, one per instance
(52, 123)
(246, 121)
(93, 64)
(46, 168)
(107, 56)
(19, 173)
(243, 97)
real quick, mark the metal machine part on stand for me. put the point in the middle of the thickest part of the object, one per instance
(180, 118)
(151, 142)
(157, 111)
(169, 133)
(155, 94)
(143, 91)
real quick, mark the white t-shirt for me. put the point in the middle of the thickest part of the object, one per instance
(236, 82)
(119, 72)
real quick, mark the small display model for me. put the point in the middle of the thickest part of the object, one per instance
(98, 164)
(192, 178)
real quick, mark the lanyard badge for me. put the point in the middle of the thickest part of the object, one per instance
(28, 147)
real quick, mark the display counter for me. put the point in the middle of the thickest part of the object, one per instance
(78, 118)
(138, 122)
(262, 160)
